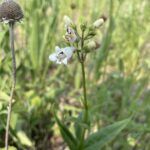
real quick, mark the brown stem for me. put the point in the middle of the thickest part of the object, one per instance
(11, 32)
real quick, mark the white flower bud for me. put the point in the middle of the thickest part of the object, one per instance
(67, 21)
(91, 45)
(98, 23)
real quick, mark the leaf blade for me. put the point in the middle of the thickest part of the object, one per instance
(97, 140)
(67, 135)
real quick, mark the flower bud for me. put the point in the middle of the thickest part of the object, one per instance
(83, 26)
(92, 45)
(70, 35)
(67, 21)
(91, 33)
(98, 23)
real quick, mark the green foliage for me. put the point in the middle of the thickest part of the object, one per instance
(9, 148)
(97, 140)
(24, 140)
(79, 126)
(117, 75)
(67, 135)
(104, 50)
(39, 42)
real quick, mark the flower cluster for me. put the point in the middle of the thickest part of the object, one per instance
(73, 38)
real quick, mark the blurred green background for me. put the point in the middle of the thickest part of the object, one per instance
(117, 73)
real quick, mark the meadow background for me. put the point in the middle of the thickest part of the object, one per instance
(117, 73)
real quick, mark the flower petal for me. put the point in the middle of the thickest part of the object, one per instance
(53, 57)
(65, 61)
(68, 51)
(58, 62)
(57, 49)
(70, 37)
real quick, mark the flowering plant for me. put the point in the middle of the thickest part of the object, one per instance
(82, 44)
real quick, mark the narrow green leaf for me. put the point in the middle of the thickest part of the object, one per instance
(14, 119)
(78, 127)
(24, 139)
(97, 140)
(2, 33)
(4, 96)
(34, 41)
(67, 135)
(9, 148)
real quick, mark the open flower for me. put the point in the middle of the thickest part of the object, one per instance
(62, 55)
(70, 35)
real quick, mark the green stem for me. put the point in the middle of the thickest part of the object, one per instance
(85, 106)
(82, 60)
(11, 31)
(84, 88)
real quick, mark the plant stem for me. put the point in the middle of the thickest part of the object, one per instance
(84, 91)
(11, 32)
(85, 105)
(82, 60)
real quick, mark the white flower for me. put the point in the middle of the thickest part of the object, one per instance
(98, 23)
(70, 35)
(62, 55)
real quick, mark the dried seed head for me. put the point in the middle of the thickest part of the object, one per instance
(10, 11)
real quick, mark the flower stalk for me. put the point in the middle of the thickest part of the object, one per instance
(83, 78)
(82, 62)
(63, 55)
(11, 32)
